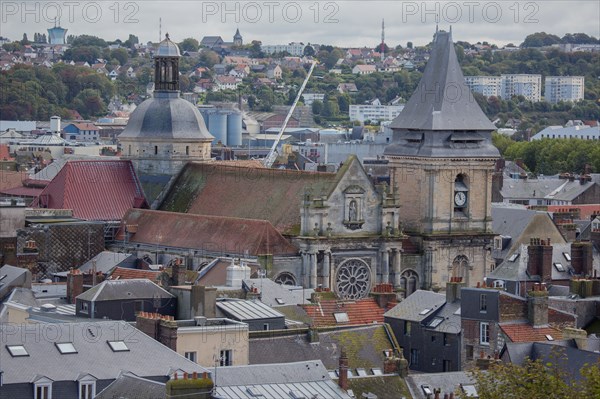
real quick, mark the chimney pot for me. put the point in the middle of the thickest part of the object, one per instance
(195, 375)
(175, 376)
(204, 375)
(185, 375)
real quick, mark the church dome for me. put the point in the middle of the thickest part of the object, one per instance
(166, 116)
(167, 48)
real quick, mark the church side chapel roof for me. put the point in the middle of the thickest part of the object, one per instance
(442, 101)
(274, 195)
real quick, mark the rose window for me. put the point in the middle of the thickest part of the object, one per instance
(285, 279)
(353, 279)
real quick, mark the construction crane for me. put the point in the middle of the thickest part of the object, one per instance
(270, 158)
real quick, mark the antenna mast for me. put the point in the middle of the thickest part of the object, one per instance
(159, 30)
(382, 39)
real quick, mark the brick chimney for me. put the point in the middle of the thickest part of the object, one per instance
(168, 332)
(74, 285)
(453, 288)
(537, 306)
(343, 371)
(178, 272)
(148, 323)
(540, 258)
(581, 258)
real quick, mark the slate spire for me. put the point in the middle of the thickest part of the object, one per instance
(442, 100)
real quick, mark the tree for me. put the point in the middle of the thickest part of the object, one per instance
(538, 380)
(189, 44)
(317, 107)
(409, 45)
(333, 57)
(87, 40)
(208, 58)
(131, 41)
(120, 54)
(25, 41)
(309, 51)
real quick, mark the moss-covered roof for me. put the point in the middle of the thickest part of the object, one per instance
(383, 387)
(250, 193)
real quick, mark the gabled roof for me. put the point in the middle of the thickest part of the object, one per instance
(130, 386)
(113, 290)
(105, 261)
(412, 307)
(250, 193)
(276, 381)
(525, 332)
(442, 100)
(210, 233)
(94, 356)
(275, 294)
(365, 346)
(242, 310)
(121, 273)
(94, 190)
(360, 312)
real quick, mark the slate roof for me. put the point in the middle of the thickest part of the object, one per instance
(276, 381)
(166, 116)
(547, 188)
(569, 358)
(11, 276)
(442, 119)
(411, 307)
(111, 290)
(250, 193)
(364, 346)
(210, 233)
(447, 382)
(442, 100)
(274, 294)
(94, 190)
(105, 261)
(146, 357)
(130, 386)
(241, 309)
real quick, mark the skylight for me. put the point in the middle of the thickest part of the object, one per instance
(425, 311)
(280, 301)
(514, 257)
(66, 348)
(567, 256)
(3, 277)
(17, 350)
(341, 317)
(361, 372)
(118, 346)
(427, 390)
(436, 321)
(549, 337)
(377, 371)
(559, 267)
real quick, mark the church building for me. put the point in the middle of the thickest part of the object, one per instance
(165, 131)
(441, 165)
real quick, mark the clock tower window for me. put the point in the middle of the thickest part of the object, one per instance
(460, 196)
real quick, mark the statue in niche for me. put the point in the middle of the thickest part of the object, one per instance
(352, 212)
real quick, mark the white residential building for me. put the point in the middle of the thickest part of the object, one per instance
(486, 85)
(294, 48)
(570, 132)
(374, 113)
(564, 88)
(310, 98)
(364, 69)
(526, 85)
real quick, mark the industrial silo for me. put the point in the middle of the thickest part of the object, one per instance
(204, 111)
(218, 126)
(234, 129)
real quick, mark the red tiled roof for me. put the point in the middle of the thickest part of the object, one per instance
(585, 211)
(86, 126)
(210, 233)
(22, 192)
(122, 273)
(249, 193)
(94, 190)
(363, 311)
(523, 332)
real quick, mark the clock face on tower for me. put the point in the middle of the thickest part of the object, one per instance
(460, 198)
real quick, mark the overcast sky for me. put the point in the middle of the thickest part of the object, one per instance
(342, 23)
